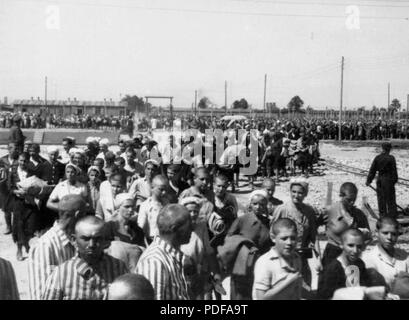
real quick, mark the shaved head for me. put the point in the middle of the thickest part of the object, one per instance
(353, 233)
(89, 221)
(131, 287)
(71, 203)
(159, 179)
(170, 217)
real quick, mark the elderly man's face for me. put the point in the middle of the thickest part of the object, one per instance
(90, 241)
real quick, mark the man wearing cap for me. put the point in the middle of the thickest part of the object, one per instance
(57, 168)
(9, 164)
(16, 134)
(385, 165)
(54, 247)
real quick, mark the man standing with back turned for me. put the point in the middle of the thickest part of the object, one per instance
(385, 165)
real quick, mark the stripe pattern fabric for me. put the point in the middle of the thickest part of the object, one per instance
(51, 250)
(76, 280)
(162, 265)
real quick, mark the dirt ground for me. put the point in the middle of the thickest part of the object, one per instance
(354, 155)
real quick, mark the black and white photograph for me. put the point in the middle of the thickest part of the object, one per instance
(214, 150)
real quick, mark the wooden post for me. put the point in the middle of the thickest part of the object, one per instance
(328, 201)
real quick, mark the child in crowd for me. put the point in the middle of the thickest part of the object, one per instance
(384, 261)
(341, 216)
(347, 270)
(277, 273)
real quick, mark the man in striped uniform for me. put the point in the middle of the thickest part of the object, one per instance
(88, 274)
(54, 247)
(161, 263)
(8, 284)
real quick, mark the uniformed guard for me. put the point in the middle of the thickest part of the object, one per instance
(385, 165)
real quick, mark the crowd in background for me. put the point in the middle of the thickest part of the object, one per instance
(155, 220)
(326, 129)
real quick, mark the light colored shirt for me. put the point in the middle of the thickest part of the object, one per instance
(140, 189)
(271, 269)
(198, 249)
(378, 260)
(305, 219)
(147, 216)
(64, 188)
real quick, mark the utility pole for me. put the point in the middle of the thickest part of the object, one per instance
(389, 100)
(225, 96)
(340, 106)
(407, 110)
(45, 98)
(265, 89)
(195, 103)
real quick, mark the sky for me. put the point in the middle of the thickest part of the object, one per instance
(93, 50)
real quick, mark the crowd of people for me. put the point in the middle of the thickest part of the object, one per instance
(96, 122)
(156, 221)
(326, 129)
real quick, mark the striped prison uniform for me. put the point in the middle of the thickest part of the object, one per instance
(8, 284)
(77, 280)
(51, 250)
(162, 265)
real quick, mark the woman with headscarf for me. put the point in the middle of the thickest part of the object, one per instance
(71, 185)
(124, 226)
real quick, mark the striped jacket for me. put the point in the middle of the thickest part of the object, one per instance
(77, 280)
(51, 250)
(162, 265)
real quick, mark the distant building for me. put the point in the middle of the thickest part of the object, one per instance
(67, 107)
(4, 106)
